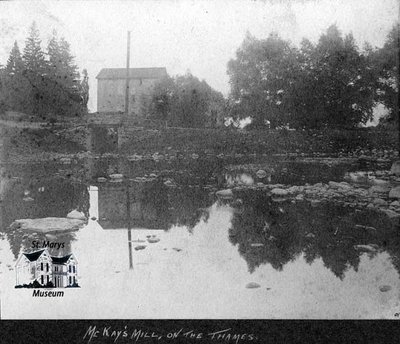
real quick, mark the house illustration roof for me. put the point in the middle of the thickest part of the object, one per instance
(33, 256)
(61, 260)
(134, 73)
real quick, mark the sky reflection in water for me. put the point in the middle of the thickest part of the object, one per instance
(302, 257)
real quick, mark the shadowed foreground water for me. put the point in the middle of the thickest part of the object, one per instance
(205, 252)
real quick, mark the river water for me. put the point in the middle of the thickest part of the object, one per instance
(159, 244)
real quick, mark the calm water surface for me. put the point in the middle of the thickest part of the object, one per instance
(207, 251)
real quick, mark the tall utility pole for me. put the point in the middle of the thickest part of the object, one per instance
(128, 50)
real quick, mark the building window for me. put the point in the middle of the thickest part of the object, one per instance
(41, 278)
(70, 280)
(41, 266)
(73, 268)
(47, 267)
(48, 278)
(74, 280)
(56, 268)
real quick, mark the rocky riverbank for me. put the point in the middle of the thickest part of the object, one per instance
(378, 190)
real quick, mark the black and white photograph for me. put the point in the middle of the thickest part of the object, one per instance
(199, 160)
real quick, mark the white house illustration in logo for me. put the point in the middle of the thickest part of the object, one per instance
(46, 270)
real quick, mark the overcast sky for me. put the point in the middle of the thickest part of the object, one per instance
(200, 36)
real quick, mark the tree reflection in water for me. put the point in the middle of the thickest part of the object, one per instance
(279, 232)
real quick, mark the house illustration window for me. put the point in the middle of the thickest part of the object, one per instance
(70, 280)
(41, 266)
(47, 267)
(56, 268)
(70, 268)
(41, 278)
(73, 268)
(48, 278)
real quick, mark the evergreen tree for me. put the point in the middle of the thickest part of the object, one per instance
(14, 82)
(35, 71)
(34, 85)
(33, 55)
(15, 64)
(63, 79)
(3, 104)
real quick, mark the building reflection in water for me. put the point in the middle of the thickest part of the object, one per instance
(148, 206)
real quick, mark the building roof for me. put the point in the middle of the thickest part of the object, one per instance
(134, 73)
(61, 260)
(34, 255)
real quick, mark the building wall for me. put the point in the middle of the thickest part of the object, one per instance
(111, 94)
(45, 260)
(59, 275)
(72, 272)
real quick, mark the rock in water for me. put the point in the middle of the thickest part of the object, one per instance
(48, 224)
(246, 179)
(153, 240)
(65, 161)
(379, 189)
(261, 174)
(169, 183)
(116, 176)
(256, 244)
(395, 192)
(390, 213)
(366, 248)
(252, 285)
(28, 199)
(279, 192)
(385, 288)
(379, 182)
(395, 168)
(225, 194)
(75, 214)
(379, 201)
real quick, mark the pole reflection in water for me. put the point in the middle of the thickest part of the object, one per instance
(128, 218)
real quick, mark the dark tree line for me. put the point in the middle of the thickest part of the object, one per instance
(43, 83)
(185, 101)
(330, 84)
